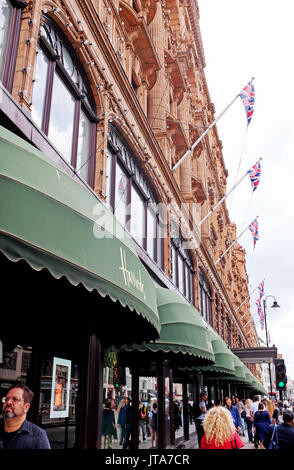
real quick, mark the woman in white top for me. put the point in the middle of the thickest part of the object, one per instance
(249, 418)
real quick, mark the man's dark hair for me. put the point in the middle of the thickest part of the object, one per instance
(288, 416)
(202, 394)
(218, 402)
(280, 404)
(28, 395)
(255, 398)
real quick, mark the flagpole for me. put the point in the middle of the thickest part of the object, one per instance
(249, 296)
(231, 245)
(203, 135)
(245, 312)
(223, 198)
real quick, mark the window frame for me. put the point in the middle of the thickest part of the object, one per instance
(182, 254)
(132, 169)
(205, 298)
(12, 44)
(56, 67)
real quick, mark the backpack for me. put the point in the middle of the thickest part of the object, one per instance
(274, 443)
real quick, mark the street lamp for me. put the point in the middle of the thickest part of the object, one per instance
(275, 305)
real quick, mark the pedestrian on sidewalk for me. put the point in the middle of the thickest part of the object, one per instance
(199, 412)
(249, 418)
(153, 425)
(285, 432)
(254, 408)
(270, 407)
(235, 413)
(127, 426)
(121, 410)
(220, 431)
(142, 420)
(108, 426)
(241, 410)
(261, 424)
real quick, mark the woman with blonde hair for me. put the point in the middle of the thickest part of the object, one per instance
(220, 431)
(249, 418)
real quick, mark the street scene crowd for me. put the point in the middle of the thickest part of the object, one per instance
(266, 423)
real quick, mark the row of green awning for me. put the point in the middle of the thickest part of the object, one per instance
(199, 348)
(50, 221)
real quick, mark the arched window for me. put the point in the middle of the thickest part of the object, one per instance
(10, 19)
(131, 198)
(62, 102)
(181, 266)
(204, 298)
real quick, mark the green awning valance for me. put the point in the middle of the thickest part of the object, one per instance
(182, 331)
(51, 221)
(224, 358)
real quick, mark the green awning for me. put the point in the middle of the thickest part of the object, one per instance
(182, 331)
(255, 385)
(239, 375)
(248, 377)
(224, 358)
(51, 221)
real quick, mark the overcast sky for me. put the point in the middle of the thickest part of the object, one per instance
(244, 39)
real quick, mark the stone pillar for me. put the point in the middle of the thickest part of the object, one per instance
(158, 95)
(186, 165)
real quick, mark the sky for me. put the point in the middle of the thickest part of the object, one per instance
(256, 39)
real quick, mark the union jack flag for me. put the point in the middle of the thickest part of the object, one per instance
(261, 289)
(253, 227)
(260, 313)
(254, 175)
(247, 95)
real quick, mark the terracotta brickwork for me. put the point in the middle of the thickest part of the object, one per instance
(145, 63)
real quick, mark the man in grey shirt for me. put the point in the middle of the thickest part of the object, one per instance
(240, 407)
(199, 419)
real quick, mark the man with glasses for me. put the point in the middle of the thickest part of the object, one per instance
(16, 432)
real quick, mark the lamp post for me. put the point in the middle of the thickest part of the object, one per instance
(275, 305)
